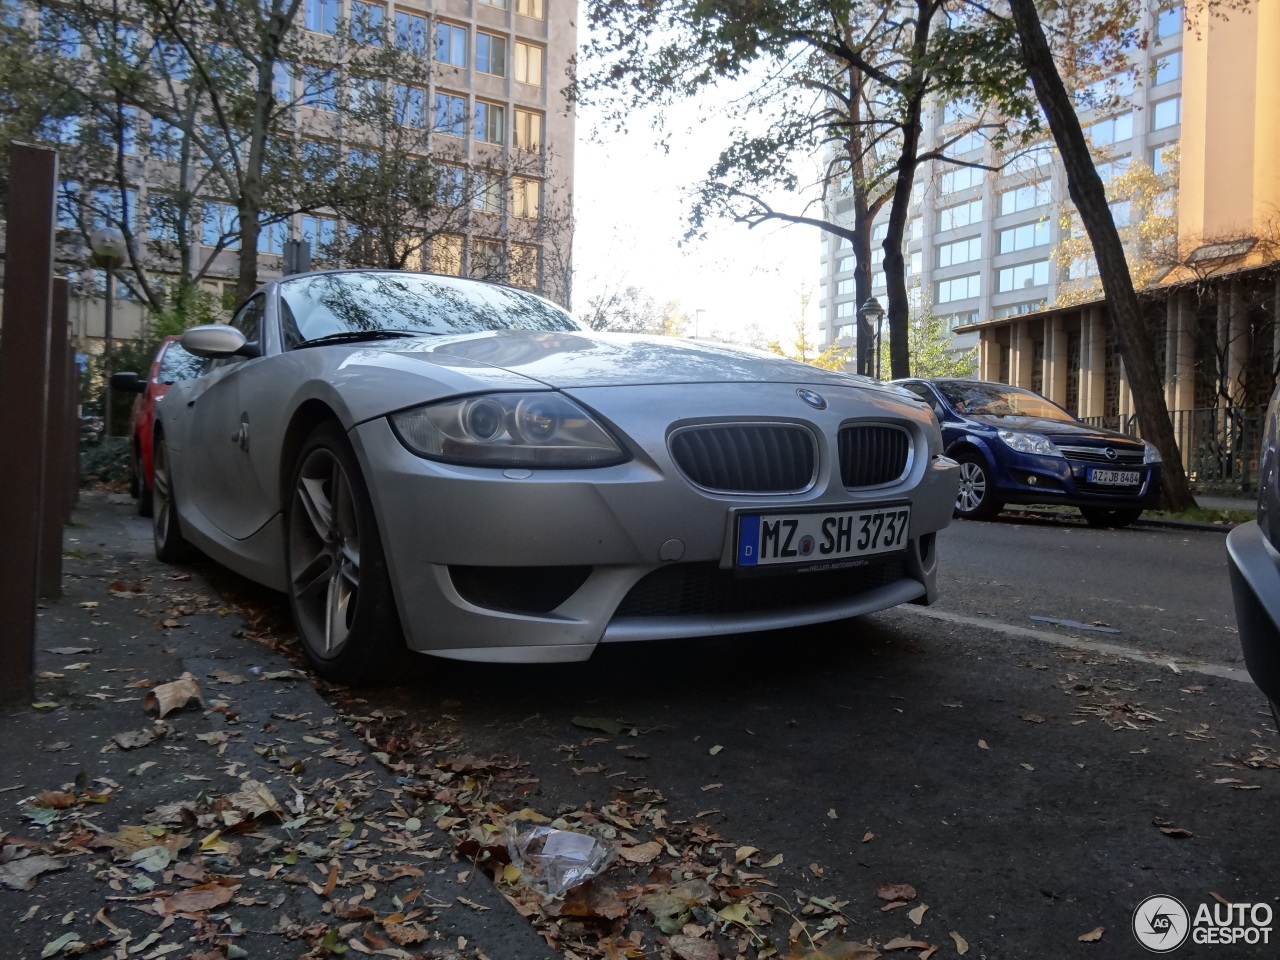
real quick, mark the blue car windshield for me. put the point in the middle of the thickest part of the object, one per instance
(355, 302)
(997, 400)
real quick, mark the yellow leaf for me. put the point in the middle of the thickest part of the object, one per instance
(510, 873)
(1092, 935)
(737, 913)
(744, 852)
(168, 697)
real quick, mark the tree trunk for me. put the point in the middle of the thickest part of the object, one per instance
(1086, 189)
(862, 216)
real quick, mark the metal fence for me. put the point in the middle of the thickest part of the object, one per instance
(1219, 444)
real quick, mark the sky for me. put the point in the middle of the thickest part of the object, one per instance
(632, 203)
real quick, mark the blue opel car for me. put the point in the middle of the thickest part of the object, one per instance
(1014, 446)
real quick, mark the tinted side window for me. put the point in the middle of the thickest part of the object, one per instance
(177, 364)
(248, 319)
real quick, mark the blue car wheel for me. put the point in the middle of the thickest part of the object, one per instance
(976, 498)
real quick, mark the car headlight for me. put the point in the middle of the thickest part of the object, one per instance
(1029, 443)
(508, 430)
(1149, 453)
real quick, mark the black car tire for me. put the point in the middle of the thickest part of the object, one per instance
(1102, 517)
(139, 487)
(336, 568)
(171, 545)
(975, 499)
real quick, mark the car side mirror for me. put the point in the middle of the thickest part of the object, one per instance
(128, 382)
(218, 341)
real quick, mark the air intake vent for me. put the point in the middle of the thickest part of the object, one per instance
(746, 458)
(872, 455)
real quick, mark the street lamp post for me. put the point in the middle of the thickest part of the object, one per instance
(871, 313)
(107, 245)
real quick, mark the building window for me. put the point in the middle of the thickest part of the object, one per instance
(162, 218)
(966, 143)
(486, 259)
(446, 254)
(1082, 268)
(165, 141)
(843, 243)
(366, 22)
(450, 186)
(221, 222)
(1169, 23)
(500, 4)
(58, 34)
(272, 236)
(1160, 159)
(1023, 275)
(319, 88)
(1169, 67)
(1024, 236)
(961, 215)
(410, 106)
(411, 32)
(530, 8)
(1025, 197)
(915, 263)
(959, 288)
(451, 44)
(916, 227)
(320, 233)
(282, 81)
(487, 197)
(1018, 309)
(491, 54)
(490, 121)
(844, 264)
(526, 197)
(524, 266)
(528, 130)
(961, 251)
(1120, 212)
(321, 16)
(1166, 113)
(449, 115)
(844, 288)
(1111, 169)
(962, 319)
(1112, 130)
(528, 63)
(960, 178)
(844, 309)
(1119, 86)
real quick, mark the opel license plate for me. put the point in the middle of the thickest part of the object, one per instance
(817, 537)
(1115, 478)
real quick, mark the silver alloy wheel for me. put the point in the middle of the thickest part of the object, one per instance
(324, 553)
(161, 492)
(973, 487)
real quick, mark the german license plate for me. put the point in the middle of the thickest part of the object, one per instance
(779, 538)
(1115, 478)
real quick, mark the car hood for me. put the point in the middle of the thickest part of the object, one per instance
(1060, 429)
(581, 359)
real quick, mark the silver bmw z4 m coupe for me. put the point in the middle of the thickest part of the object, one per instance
(459, 467)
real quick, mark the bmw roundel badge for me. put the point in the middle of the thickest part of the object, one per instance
(814, 400)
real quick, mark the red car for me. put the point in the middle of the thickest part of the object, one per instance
(172, 363)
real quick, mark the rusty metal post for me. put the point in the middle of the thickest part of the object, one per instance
(55, 447)
(24, 382)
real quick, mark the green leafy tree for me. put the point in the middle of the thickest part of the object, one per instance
(932, 349)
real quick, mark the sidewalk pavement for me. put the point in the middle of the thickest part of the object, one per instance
(254, 825)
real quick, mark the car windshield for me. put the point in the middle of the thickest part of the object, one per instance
(998, 400)
(355, 303)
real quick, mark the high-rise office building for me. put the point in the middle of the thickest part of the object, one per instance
(978, 242)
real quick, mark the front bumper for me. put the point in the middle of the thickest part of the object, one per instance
(1024, 478)
(1255, 585)
(608, 529)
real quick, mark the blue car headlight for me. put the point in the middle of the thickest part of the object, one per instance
(1149, 453)
(1028, 443)
(508, 430)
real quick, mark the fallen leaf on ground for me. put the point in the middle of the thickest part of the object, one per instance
(195, 900)
(917, 914)
(868, 837)
(962, 945)
(604, 725)
(222, 676)
(833, 950)
(642, 853)
(1031, 717)
(905, 943)
(832, 814)
(256, 799)
(716, 749)
(692, 948)
(743, 852)
(1027, 766)
(1092, 935)
(168, 697)
(70, 651)
(133, 739)
(1180, 833)
(21, 874)
(896, 891)
(982, 744)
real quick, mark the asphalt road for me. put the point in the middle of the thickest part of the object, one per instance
(1013, 773)
(1017, 773)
